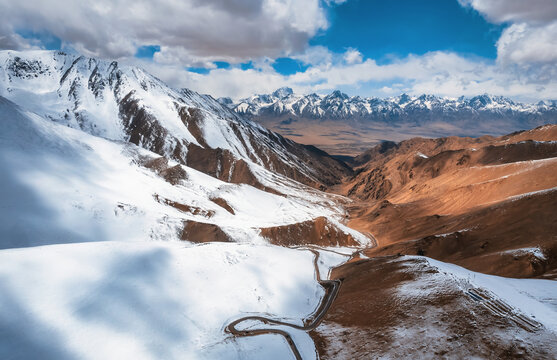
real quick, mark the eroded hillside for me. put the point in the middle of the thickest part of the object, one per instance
(484, 203)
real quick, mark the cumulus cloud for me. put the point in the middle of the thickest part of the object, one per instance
(9, 41)
(442, 73)
(526, 44)
(531, 38)
(353, 56)
(13, 41)
(315, 55)
(193, 30)
(500, 11)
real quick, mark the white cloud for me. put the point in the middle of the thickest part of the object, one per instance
(335, 2)
(441, 73)
(315, 55)
(515, 10)
(527, 48)
(525, 67)
(531, 36)
(16, 42)
(527, 44)
(12, 41)
(192, 30)
(353, 56)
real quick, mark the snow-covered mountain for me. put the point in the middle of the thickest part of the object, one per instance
(98, 243)
(63, 185)
(92, 150)
(126, 103)
(337, 105)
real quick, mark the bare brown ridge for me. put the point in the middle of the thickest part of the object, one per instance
(475, 202)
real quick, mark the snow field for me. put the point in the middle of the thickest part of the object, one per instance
(148, 300)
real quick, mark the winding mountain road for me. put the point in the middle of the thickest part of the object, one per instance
(331, 290)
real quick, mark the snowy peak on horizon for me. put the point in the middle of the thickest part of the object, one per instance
(283, 92)
(339, 105)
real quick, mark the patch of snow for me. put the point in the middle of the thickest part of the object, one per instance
(451, 233)
(535, 251)
(516, 163)
(532, 193)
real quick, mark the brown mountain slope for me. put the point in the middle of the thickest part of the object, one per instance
(489, 204)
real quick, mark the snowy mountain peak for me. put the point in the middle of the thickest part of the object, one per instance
(337, 94)
(225, 101)
(404, 98)
(283, 92)
(126, 103)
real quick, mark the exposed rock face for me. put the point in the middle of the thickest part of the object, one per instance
(188, 209)
(418, 160)
(373, 185)
(319, 231)
(224, 166)
(143, 129)
(173, 174)
(223, 204)
(202, 233)
(516, 238)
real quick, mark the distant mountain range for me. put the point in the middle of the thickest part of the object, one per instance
(344, 125)
(337, 105)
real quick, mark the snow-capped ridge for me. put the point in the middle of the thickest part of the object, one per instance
(63, 185)
(338, 105)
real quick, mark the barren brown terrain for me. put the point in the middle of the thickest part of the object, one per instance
(319, 231)
(351, 138)
(488, 204)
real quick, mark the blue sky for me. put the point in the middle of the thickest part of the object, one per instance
(379, 29)
(384, 30)
(364, 47)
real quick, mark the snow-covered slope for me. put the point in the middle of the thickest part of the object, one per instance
(413, 307)
(338, 105)
(62, 185)
(125, 103)
(122, 300)
(98, 198)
